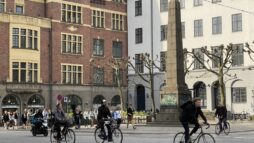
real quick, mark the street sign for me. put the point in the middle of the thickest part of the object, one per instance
(65, 99)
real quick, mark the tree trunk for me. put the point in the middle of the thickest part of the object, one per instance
(222, 90)
(152, 92)
(119, 88)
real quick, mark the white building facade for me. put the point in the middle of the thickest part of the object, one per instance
(207, 23)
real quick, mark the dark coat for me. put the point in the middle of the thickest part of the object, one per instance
(190, 113)
(130, 111)
(221, 112)
(103, 112)
(6, 117)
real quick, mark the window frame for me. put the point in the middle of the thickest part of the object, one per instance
(164, 5)
(23, 9)
(20, 36)
(139, 63)
(98, 70)
(95, 47)
(197, 3)
(72, 41)
(34, 70)
(139, 35)
(138, 7)
(197, 64)
(217, 25)
(239, 56)
(164, 32)
(98, 16)
(237, 22)
(118, 48)
(77, 12)
(238, 99)
(163, 65)
(70, 74)
(4, 5)
(117, 23)
(199, 31)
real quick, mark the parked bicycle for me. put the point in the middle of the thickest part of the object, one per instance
(201, 138)
(102, 135)
(225, 128)
(67, 135)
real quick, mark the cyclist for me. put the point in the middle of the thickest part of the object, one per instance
(104, 113)
(60, 119)
(190, 112)
(221, 113)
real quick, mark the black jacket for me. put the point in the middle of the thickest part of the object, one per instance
(6, 117)
(130, 111)
(221, 112)
(190, 113)
(103, 112)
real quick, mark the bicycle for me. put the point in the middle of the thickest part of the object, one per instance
(225, 128)
(67, 135)
(201, 138)
(101, 135)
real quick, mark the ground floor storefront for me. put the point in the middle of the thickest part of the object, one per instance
(17, 97)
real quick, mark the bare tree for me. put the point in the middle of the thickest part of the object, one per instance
(222, 59)
(149, 64)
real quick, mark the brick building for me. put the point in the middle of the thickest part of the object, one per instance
(61, 47)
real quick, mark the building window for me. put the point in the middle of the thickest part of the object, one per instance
(24, 38)
(117, 49)
(182, 4)
(163, 61)
(198, 2)
(217, 25)
(214, 1)
(117, 22)
(239, 95)
(139, 63)
(24, 72)
(138, 7)
(198, 28)
(117, 74)
(98, 47)
(71, 13)
(2, 5)
(236, 22)
(72, 44)
(199, 59)
(98, 19)
(19, 9)
(217, 56)
(164, 31)
(72, 74)
(139, 35)
(183, 29)
(98, 75)
(164, 5)
(237, 55)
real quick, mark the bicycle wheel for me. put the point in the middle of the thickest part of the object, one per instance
(117, 136)
(179, 138)
(227, 128)
(217, 129)
(99, 135)
(206, 138)
(70, 136)
(52, 136)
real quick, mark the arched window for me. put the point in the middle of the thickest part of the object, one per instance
(116, 100)
(71, 102)
(200, 91)
(36, 101)
(98, 99)
(10, 102)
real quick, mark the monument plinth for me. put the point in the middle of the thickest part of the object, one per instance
(175, 92)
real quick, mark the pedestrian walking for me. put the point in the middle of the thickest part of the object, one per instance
(77, 117)
(24, 119)
(130, 112)
(6, 119)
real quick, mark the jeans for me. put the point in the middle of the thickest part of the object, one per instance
(187, 133)
(101, 124)
(224, 121)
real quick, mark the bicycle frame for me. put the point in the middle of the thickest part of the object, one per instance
(200, 134)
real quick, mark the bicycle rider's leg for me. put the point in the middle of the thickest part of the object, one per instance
(186, 131)
(109, 133)
(57, 127)
(220, 122)
(194, 130)
(225, 123)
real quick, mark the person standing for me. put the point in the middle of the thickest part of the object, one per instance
(15, 118)
(77, 117)
(221, 113)
(6, 119)
(130, 112)
(24, 119)
(117, 116)
(45, 113)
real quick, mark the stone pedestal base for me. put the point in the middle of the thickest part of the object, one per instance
(167, 116)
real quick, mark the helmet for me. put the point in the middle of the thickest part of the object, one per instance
(103, 101)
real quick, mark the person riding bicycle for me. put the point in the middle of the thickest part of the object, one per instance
(190, 112)
(221, 113)
(60, 120)
(104, 113)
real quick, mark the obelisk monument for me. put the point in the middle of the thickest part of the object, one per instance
(175, 92)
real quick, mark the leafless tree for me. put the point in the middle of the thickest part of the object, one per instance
(222, 61)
